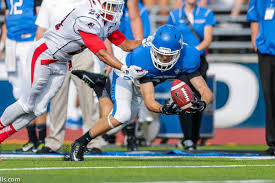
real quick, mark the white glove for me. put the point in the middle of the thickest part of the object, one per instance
(147, 41)
(134, 72)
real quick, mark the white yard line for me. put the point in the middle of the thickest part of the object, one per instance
(130, 167)
(226, 181)
(6, 156)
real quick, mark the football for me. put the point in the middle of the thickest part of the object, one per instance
(182, 94)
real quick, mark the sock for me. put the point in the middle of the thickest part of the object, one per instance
(6, 132)
(32, 133)
(42, 130)
(130, 130)
(86, 138)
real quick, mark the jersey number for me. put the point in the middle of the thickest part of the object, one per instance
(15, 7)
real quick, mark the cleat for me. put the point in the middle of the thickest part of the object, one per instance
(94, 150)
(28, 147)
(39, 147)
(77, 151)
(269, 152)
(94, 80)
(189, 145)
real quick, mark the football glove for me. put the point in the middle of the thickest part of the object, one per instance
(170, 107)
(197, 106)
(147, 41)
(134, 72)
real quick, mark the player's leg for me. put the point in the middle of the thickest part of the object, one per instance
(41, 82)
(42, 131)
(122, 95)
(58, 116)
(130, 129)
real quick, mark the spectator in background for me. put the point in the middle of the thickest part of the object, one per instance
(51, 13)
(196, 25)
(18, 34)
(261, 16)
(236, 10)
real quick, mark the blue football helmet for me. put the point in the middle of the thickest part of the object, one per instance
(166, 47)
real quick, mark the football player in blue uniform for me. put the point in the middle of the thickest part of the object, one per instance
(166, 57)
(21, 30)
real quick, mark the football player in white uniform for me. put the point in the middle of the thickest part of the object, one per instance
(86, 26)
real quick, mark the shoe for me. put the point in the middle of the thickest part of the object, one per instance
(39, 146)
(45, 150)
(94, 80)
(77, 151)
(28, 147)
(189, 145)
(94, 150)
(132, 144)
(270, 152)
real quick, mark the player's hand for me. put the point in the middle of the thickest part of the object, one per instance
(170, 107)
(134, 72)
(108, 69)
(197, 106)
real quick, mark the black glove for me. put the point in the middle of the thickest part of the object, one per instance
(197, 106)
(170, 107)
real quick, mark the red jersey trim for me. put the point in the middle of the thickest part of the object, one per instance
(92, 41)
(43, 47)
(117, 37)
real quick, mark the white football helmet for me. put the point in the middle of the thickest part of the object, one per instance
(110, 10)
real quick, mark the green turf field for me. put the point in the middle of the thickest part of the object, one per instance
(140, 169)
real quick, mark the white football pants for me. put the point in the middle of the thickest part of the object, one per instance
(42, 80)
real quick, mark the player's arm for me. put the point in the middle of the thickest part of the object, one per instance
(96, 45)
(148, 93)
(135, 20)
(200, 85)
(118, 39)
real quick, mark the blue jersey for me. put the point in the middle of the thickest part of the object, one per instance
(189, 62)
(265, 40)
(20, 21)
(202, 18)
(125, 24)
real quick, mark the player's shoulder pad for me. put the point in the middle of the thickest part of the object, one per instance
(88, 20)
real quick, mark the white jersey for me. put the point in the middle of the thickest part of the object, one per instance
(64, 40)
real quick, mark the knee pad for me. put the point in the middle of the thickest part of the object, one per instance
(122, 115)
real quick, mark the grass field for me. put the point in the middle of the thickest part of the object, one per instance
(140, 169)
